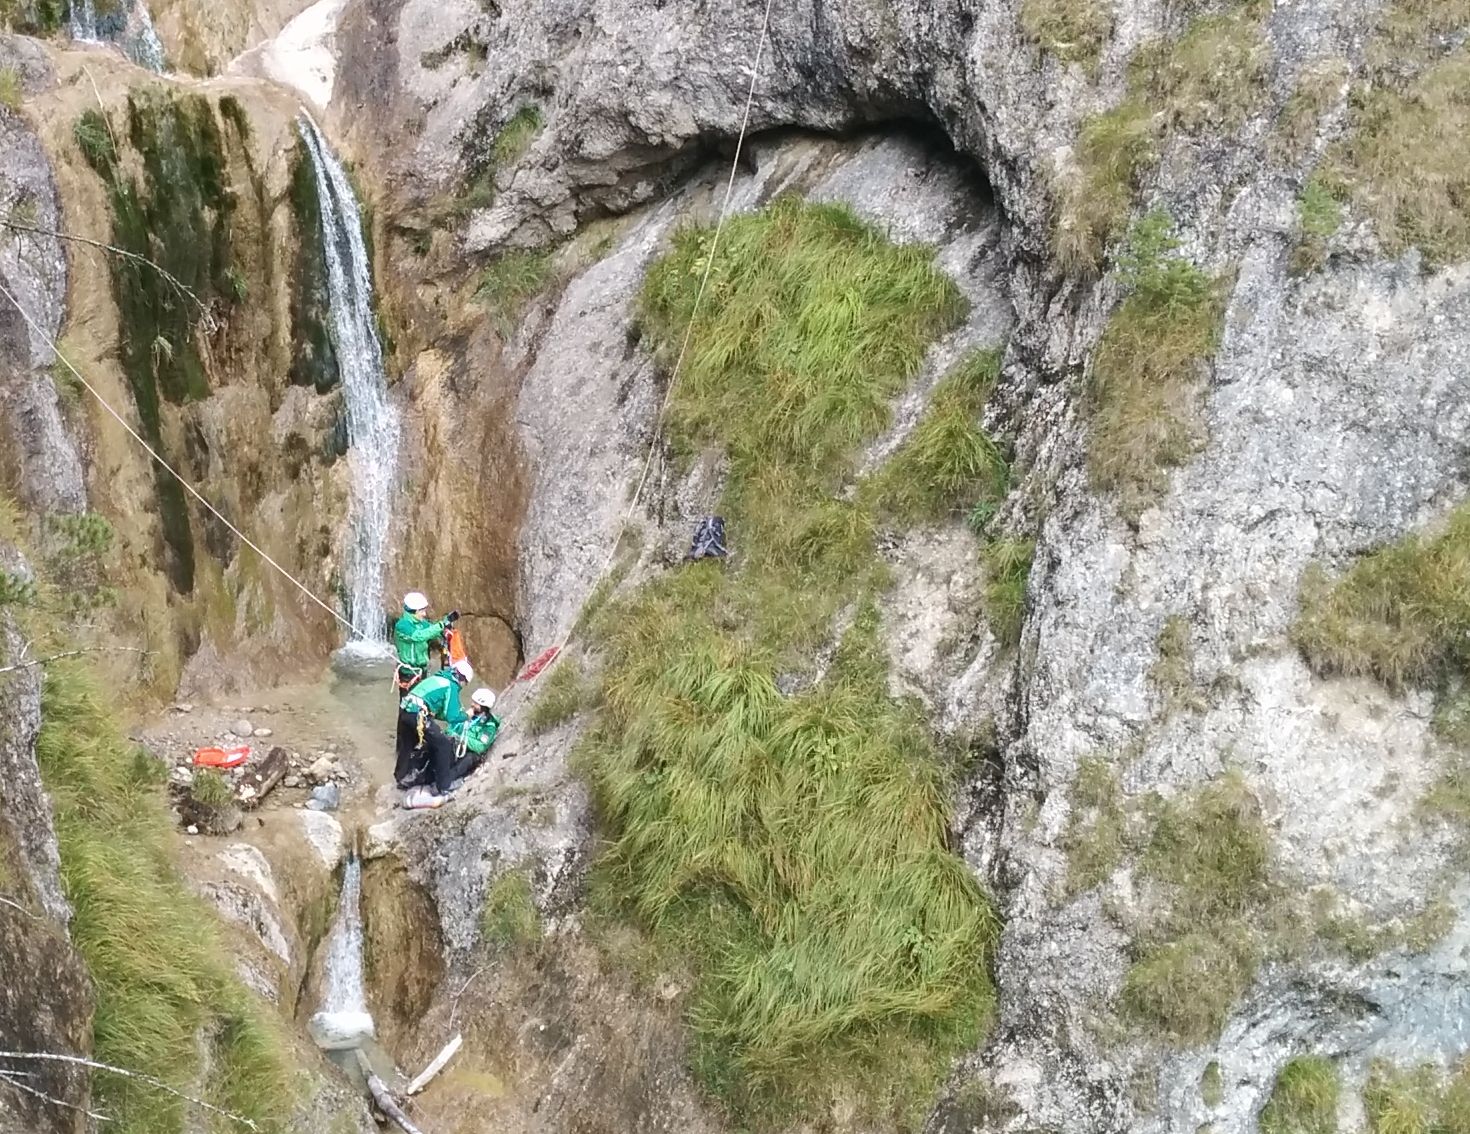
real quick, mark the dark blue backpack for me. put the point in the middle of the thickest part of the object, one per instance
(709, 539)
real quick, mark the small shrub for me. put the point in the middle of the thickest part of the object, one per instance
(1304, 1099)
(560, 698)
(1399, 613)
(1319, 216)
(1146, 370)
(94, 138)
(516, 136)
(1094, 841)
(510, 282)
(510, 918)
(1072, 30)
(211, 789)
(16, 590)
(12, 93)
(948, 461)
(1007, 567)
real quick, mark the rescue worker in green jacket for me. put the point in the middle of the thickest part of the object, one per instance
(412, 634)
(424, 750)
(475, 734)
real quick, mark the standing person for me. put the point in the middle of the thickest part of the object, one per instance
(475, 734)
(424, 751)
(412, 634)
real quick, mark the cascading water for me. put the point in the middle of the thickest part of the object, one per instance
(84, 22)
(343, 1022)
(372, 420)
(129, 25)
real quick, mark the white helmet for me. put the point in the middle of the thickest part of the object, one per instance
(485, 698)
(463, 671)
(414, 603)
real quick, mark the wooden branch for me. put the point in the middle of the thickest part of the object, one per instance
(77, 1060)
(261, 781)
(384, 1098)
(440, 1062)
(72, 654)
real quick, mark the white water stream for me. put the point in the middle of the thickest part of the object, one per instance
(372, 420)
(343, 1022)
(132, 30)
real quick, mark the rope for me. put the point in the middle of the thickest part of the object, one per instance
(658, 421)
(173, 472)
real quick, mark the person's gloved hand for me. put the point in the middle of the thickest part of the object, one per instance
(452, 617)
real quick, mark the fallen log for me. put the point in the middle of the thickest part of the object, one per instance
(384, 1097)
(261, 780)
(439, 1063)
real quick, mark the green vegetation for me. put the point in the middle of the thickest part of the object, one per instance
(1209, 852)
(511, 281)
(1399, 613)
(1304, 1100)
(516, 136)
(948, 464)
(1097, 828)
(510, 918)
(1072, 30)
(793, 847)
(313, 353)
(1213, 76)
(178, 215)
(1317, 88)
(11, 91)
(1007, 567)
(1417, 1101)
(210, 789)
(1320, 216)
(1146, 369)
(32, 17)
(561, 697)
(1173, 674)
(1211, 1084)
(160, 973)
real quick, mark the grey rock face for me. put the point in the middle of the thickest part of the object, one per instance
(45, 470)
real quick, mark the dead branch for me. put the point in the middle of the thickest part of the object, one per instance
(73, 654)
(79, 1061)
(21, 908)
(384, 1098)
(426, 1076)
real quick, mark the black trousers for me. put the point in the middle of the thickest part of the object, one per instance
(416, 764)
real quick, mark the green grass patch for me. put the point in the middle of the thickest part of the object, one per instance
(1209, 853)
(1146, 376)
(1212, 1085)
(1097, 829)
(1211, 78)
(1416, 1100)
(158, 965)
(1304, 1099)
(211, 789)
(1072, 30)
(1318, 87)
(32, 17)
(516, 136)
(948, 465)
(560, 698)
(1399, 614)
(510, 282)
(793, 848)
(12, 93)
(1007, 567)
(1319, 216)
(510, 918)
(1173, 673)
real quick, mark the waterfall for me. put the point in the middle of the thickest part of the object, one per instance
(84, 22)
(372, 421)
(343, 1021)
(129, 25)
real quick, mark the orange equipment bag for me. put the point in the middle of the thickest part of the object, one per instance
(222, 757)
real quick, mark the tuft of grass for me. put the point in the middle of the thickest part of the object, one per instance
(12, 92)
(1145, 381)
(1399, 613)
(510, 282)
(510, 918)
(1319, 216)
(158, 966)
(560, 698)
(1402, 1101)
(1113, 150)
(948, 464)
(1097, 828)
(1173, 673)
(1318, 87)
(516, 136)
(1210, 853)
(211, 789)
(1406, 161)
(1007, 567)
(795, 848)
(1213, 77)
(1072, 30)
(1304, 1099)
(1212, 1085)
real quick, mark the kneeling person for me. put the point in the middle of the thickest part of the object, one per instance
(475, 734)
(424, 750)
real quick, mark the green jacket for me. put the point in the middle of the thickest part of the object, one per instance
(478, 733)
(440, 694)
(411, 638)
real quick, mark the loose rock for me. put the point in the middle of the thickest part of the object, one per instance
(243, 728)
(262, 733)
